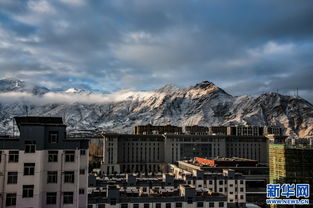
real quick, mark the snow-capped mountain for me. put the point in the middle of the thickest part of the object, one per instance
(15, 85)
(202, 104)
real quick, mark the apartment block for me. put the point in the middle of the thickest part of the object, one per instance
(43, 167)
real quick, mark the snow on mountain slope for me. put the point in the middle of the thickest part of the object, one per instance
(202, 104)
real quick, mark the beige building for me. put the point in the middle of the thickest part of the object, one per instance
(151, 153)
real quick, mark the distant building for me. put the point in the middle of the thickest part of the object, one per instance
(291, 161)
(256, 175)
(197, 130)
(230, 183)
(42, 167)
(186, 190)
(124, 153)
(150, 129)
(239, 130)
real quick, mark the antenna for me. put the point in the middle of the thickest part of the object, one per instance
(297, 92)
(26, 109)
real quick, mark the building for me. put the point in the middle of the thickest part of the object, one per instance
(150, 129)
(186, 190)
(125, 153)
(256, 175)
(182, 197)
(43, 167)
(239, 130)
(291, 161)
(228, 182)
(197, 130)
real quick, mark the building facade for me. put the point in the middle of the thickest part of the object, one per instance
(42, 167)
(256, 175)
(124, 153)
(170, 191)
(150, 129)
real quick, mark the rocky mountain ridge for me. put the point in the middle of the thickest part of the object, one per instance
(202, 104)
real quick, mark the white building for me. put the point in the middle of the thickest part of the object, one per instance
(43, 168)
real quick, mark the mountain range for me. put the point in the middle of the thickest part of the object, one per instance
(202, 104)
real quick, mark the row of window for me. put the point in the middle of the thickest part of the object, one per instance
(52, 155)
(51, 197)
(52, 176)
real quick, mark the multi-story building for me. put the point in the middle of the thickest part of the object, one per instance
(42, 167)
(228, 182)
(207, 190)
(150, 129)
(185, 196)
(124, 153)
(197, 130)
(256, 175)
(290, 162)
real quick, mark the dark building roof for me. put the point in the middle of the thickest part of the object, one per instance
(37, 120)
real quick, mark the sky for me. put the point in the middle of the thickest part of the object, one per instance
(245, 47)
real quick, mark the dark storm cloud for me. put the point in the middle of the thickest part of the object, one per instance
(243, 46)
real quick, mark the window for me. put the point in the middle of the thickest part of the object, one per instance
(168, 205)
(69, 156)
(29, 168)
(157, 205)
(51, 197)
(53, 156)
(241, 181)
(69, 177)
(178, 205)
(136, 206)
(13, 156)
(241, 197)
(53, 137)
(52, 177)
(200, 204)
(241, 189)
(10, 199)
(68, 197)
(211, 204)
(221, 204)
(124, 206)
(82, 171)
(12, 177)
(82, 152)
(81, 191)
(210, 182)
(101, 205)
(221, 182)
(30, 146)
(28, 191)
(146, 205)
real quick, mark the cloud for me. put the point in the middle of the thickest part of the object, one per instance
(132, 44)
(70, 98)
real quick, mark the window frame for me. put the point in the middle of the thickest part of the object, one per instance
(30, 146)
(52, 177)
(69, 178)
(10, 197)
(66, 195)
(12, 179)
(13, 156)
(52, 199)
(28, 191)
(29, 169)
